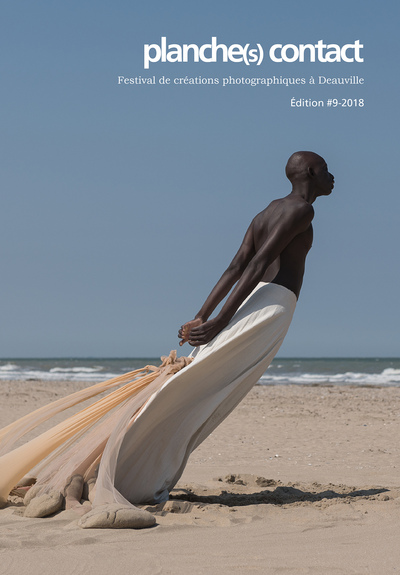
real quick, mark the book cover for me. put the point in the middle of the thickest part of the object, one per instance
(138, 142)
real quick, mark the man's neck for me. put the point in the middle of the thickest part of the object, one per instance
(305, 191)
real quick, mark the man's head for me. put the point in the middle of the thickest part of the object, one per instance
(308, 167)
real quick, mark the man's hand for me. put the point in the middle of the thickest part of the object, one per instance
(205, 332)
(184, 332)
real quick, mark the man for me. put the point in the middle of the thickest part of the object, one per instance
(234, 349)
(148, 449)
(273, 250)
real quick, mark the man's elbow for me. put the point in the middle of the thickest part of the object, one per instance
(257, 269)
(235, 270)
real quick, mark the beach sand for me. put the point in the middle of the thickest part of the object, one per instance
(297, 480)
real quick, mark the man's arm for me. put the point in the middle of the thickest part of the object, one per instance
(224, 285)
(289, 226)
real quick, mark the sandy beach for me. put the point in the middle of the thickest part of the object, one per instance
(297, 480)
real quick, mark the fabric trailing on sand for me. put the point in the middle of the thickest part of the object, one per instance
(137, 439)
(49, 456)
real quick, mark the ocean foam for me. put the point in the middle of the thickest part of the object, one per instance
(285, 371)
(388, 376)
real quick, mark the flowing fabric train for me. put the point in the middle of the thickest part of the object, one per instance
(143, 433)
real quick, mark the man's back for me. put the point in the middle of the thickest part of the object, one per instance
(288, 268)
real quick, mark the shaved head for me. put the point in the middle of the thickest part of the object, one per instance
(299, 163)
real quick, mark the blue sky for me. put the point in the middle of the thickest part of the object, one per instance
(122, 205)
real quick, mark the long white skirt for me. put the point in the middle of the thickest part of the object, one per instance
(143, 461)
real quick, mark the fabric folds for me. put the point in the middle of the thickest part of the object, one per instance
(136, 440)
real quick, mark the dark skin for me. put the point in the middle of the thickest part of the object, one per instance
(274, 248)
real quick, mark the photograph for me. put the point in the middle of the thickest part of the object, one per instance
(199, 343)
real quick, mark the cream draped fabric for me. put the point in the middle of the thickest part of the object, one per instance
(141, 435)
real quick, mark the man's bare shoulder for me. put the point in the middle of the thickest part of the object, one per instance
(290, 207)
(300, 208)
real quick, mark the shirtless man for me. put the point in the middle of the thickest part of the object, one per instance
(274, 248)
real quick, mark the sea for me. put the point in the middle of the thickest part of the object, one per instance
(282, 371)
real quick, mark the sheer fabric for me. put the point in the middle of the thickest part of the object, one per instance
(50, 455)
